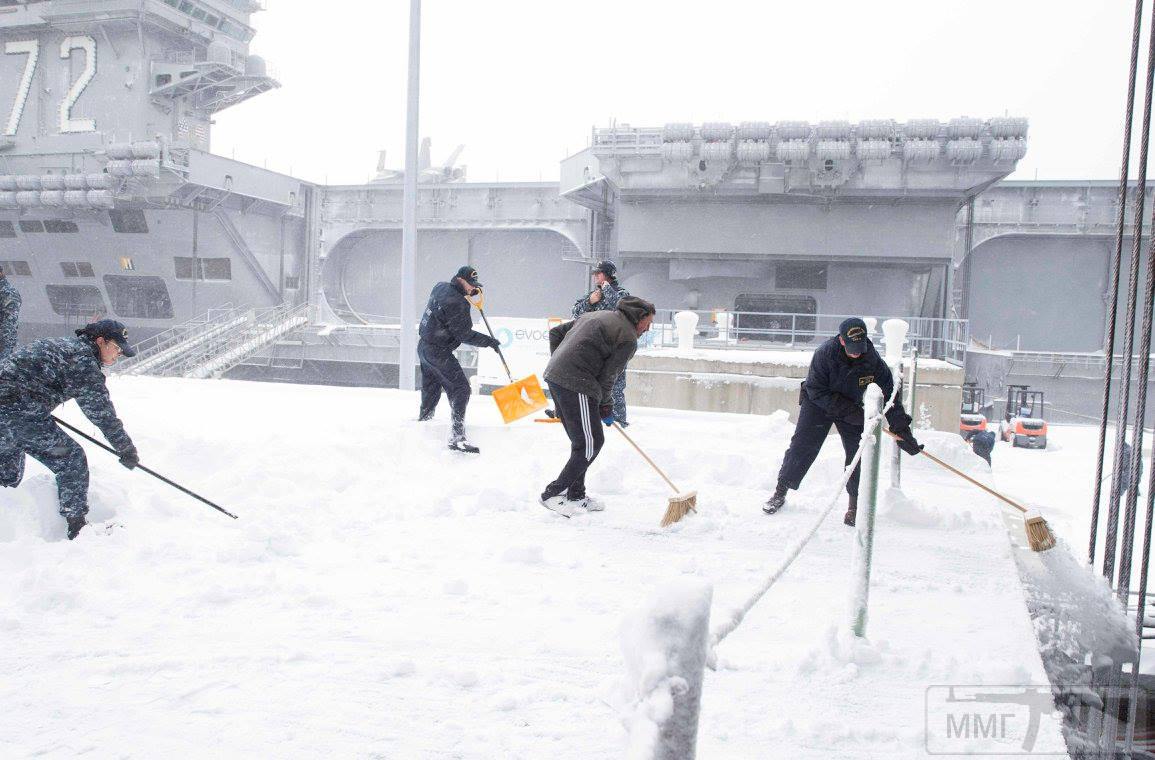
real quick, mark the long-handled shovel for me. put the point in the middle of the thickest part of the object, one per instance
(156, 475)
(1039, 534)
(681, 504)
(520, 398)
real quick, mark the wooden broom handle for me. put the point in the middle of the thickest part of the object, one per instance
(964, 476)
(651, 461)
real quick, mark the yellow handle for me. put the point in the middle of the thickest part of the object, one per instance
(479, 304)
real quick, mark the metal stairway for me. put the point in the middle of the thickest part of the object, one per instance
(167, 347)
(223, 344)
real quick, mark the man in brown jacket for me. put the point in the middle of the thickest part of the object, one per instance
(588, 354)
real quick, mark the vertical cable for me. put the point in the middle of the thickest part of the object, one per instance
(1129, 329)
(1116, 265)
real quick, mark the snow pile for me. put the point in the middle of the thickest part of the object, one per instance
(33, 510)
(664, 645)
(382, 596)
(1085, 612)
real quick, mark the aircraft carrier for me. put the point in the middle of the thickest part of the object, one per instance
(112, 204)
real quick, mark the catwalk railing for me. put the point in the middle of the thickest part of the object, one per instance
(167, 347)
(946, 339)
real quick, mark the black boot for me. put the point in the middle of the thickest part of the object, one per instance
(426, 414)
(457, 442)
(75, 523)
(777, 501)
(852, 511)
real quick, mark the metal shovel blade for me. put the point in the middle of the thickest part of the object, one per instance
(520, 398)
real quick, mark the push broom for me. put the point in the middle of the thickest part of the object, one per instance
(680, 504)
(1039, 534)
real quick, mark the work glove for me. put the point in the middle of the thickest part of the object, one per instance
(495, 344)
(855, 418)
(130, 458)
(606, 412)
(907, 443)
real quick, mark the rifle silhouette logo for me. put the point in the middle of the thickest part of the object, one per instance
(1038, 699)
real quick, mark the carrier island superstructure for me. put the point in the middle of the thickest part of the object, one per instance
(110, 201)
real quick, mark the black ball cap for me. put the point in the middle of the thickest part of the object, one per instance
(853, 332)
(109, 329)
(469, 274)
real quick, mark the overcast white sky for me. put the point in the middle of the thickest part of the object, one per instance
(521, 82)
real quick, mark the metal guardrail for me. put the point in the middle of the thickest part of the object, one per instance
(946, 339)
(263, 327)
(156, 349)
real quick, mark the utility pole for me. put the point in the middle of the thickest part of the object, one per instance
(407, 359)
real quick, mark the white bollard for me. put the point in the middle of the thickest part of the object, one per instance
(894, 332)
(871, 325)
(665, 647)
(687, 324)
(723, 319)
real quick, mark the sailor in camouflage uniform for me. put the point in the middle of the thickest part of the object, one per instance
(9, 316)
(40, 377)
(606, 297)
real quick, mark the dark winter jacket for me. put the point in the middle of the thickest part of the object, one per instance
(983, 443)
(9, 317)
(836, 383)
(446, 322)
(612, 294)
(43, 374)
(589, 353)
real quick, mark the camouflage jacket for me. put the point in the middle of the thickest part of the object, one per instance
(9, 317)
(612, 294)
(43, 374)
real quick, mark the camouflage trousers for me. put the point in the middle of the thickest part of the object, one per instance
(618, 394)
(32, 432)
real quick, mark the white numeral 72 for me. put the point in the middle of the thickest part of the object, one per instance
(31, 48)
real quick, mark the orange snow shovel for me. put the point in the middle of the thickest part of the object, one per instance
(520, 398)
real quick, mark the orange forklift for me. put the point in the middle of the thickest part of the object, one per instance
(974, 401)
(1023, 424)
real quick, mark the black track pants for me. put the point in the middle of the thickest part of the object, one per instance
(440, 371)
(809, 435)
(579, 417)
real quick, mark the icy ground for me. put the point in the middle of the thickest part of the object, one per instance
(383, 597)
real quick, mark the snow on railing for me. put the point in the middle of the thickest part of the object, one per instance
(735, 617)
(668, 645)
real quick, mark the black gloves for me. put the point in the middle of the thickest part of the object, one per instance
(130, 458)
(855, 418)
(606, 412)
(494, 343)
(906, 441)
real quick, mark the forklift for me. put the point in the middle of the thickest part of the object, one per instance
(1023, 424)
(972, 419)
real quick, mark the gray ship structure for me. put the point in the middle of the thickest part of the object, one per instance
(112, 204)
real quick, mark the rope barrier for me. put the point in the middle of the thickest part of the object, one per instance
(737, 615)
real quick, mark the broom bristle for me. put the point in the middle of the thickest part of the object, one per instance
(1039, 534)
(680, 506)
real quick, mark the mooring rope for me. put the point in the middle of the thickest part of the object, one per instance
(737, 615)
(1117, 264)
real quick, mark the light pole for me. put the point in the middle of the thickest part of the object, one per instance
(407, 359)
